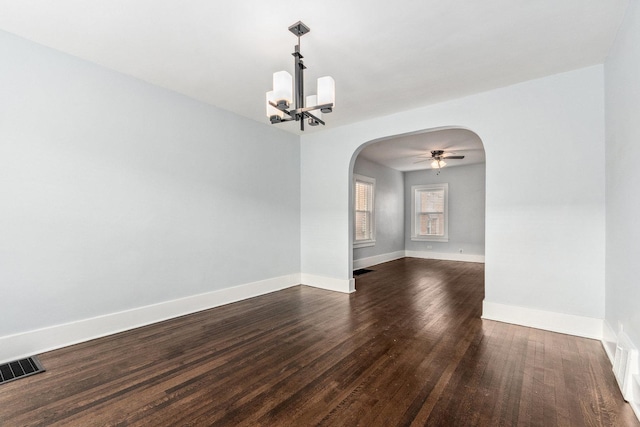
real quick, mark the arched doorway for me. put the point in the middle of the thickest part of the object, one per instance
(386, 177)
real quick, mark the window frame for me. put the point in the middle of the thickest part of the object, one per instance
(415, 189)
(372, 240)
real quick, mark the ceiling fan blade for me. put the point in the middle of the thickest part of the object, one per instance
(420, 161)
(454, 157)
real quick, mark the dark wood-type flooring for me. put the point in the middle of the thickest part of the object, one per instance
(408, 348)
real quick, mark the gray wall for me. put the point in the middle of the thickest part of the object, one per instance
(389, 208)
(118, 194)
(466, 208)
(622, 105)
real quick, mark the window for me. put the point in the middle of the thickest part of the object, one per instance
(430, 217)
(363, 218)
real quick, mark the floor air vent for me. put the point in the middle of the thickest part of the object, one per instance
(20, 369)
(361, 271)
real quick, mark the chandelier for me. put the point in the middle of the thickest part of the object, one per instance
(286, 90)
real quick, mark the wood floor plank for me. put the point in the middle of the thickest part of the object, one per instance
(408, 348)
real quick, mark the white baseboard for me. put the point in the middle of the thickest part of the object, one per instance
(18, 346)
(636, 392)
(609, 340)
(581, 326)
(329, 283)
(445, 256)
(377, 259)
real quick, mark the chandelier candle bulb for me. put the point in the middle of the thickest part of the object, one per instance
(326, 92)
(283, 89)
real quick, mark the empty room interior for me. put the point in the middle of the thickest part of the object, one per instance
(431, 217)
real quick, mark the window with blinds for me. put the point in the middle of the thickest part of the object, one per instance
(364, 215)
(429, 205)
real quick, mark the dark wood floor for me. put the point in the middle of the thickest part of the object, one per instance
(408, 348)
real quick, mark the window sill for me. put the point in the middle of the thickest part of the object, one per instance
(364, 244)
(429, 239)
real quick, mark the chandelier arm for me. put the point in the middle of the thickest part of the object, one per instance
(311, 116)
(305, 109)
(276, 119)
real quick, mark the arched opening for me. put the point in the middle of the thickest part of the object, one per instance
(419, 194)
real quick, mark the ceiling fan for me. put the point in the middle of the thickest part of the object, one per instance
(438, 158)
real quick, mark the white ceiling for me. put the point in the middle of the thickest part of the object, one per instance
(407, 152)
(385, 56)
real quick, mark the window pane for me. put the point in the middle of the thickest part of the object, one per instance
(429, 204)
(431, 224)
(431, 201)
(363, 206)
(362, 226)
(363, 196)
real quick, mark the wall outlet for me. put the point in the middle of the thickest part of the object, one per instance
(429, 247)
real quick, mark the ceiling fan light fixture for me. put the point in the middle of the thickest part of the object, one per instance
(438, 164)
